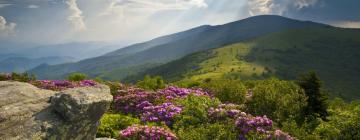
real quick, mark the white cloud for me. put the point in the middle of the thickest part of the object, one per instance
(75, 17)
(304, 3)
(348, 24)
(32, 6)
(279, 7)
(4, 5)
(6, 28)
(154, 6)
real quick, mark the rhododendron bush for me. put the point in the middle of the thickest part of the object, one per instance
(167, 113)
(56, 85)
(62, 84)
(171, 113)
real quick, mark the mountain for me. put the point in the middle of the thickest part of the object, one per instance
(165, 49)
(31, 56)
(334, 53)
(76, 50)
(22, 64)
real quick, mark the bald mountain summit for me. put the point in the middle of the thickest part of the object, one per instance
(254, 48)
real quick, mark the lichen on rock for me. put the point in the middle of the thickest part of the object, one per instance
(27, 112)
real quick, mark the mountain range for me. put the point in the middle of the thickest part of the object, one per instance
(165, 49)
(254, 48)
(30, 55)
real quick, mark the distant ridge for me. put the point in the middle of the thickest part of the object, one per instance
(167, 48)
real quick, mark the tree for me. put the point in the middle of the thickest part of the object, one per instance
(317, 100)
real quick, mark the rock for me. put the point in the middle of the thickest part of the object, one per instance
(27, 112)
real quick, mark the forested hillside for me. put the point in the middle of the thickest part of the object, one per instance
(332, 52)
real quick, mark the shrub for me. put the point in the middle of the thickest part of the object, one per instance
(151, 83)
(111, 124)
(77, 77)
(279, 100)
(195, 110)
(224, 112)
(21, 77)
(161, 113)
(343, 123)
(59, 85)
(137, 132)
(230, 91)
(217, 131)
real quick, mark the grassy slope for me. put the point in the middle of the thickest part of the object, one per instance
(333, 53)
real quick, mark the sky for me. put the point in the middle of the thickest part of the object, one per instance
(131, 21)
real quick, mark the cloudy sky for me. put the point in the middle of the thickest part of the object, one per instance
(61, 21)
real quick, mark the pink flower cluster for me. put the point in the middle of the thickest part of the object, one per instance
(62, 84)
(130, 101)
(259, 125)
(164, 112)
(224, 111)
(279, 135)
(147, 133)
(173, 92)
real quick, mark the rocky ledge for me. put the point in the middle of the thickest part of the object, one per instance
(27, 112)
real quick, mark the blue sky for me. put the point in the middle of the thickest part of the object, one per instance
(61, 21)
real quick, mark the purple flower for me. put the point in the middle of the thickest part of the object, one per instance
(147, 133)
(61, 84)
(224, 111)
(164, 112)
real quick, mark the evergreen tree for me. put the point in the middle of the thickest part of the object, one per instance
(317, 100)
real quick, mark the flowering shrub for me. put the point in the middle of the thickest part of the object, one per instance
(195, 111)
(224, 111)
(147, 133)
(279, 135)
(183, 109)
(262, 127)
(164, 112)
(129, 101)
(58, 85)
(173, 92)
(111, 124)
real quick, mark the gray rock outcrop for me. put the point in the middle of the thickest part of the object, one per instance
(27, 112)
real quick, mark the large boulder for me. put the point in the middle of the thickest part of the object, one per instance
(27, 112)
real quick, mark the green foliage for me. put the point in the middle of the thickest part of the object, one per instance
(187, 83)
(194, 110)
(343, 122)
(217, 131)
(231, 91)
(175, 70)
(279, 100)
(77, 77)
(301, 132)
(316, 99)
(151, 83)
(111, 124)
(21, 77)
